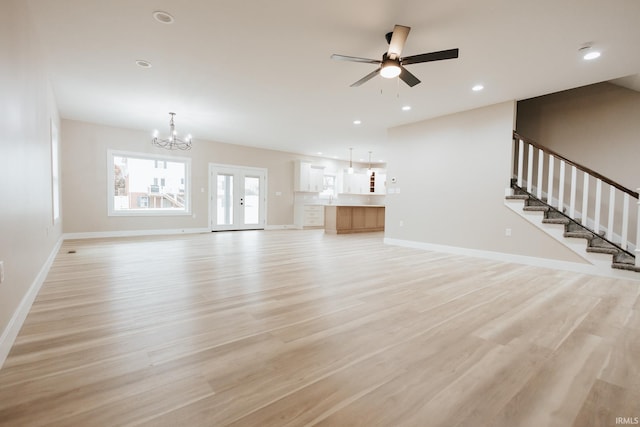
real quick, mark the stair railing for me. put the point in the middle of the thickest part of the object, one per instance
(551, 177)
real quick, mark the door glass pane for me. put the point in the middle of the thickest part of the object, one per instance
(225, 200)
(251, 200)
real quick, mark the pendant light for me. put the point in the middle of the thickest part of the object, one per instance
(350, 170)
(172, 142)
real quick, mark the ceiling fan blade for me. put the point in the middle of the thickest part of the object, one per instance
(433, 56)
(398, 39)
(408, 78)
(355, 59)
(366, 78)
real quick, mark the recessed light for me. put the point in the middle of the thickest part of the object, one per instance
(143, 64)
(357, 122)
(163, 17)
(319, 153)
(589, 53)
(406, 108)
(477, 88)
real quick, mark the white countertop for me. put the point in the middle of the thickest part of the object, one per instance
(357, 206)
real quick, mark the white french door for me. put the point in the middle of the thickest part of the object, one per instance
(237, 197)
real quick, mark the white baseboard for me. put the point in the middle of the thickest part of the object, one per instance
(10, 333)
(283, 227)
(133, 233)
(517, 259)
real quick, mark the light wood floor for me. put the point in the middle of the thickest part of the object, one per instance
(282, 328)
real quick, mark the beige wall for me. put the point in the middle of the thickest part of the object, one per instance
(597, 126)
(451, 174)
(27, 232)
(84, 178)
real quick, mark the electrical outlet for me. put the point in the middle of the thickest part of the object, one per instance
(1, 271)
(507, 232)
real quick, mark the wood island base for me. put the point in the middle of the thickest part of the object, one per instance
(353, 219)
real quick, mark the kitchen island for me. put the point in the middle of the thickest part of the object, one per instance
(344, 219)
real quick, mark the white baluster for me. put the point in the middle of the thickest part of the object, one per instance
(596, 218)
(540, 172)
(530, 169)
(550, 183)
(585, 198)
(561, 188)
(625, 222)
(572, 195)
(520, 161)
(612, 202)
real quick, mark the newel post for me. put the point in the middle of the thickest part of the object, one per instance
(637, 251)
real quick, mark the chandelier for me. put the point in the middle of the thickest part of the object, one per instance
(172, 142)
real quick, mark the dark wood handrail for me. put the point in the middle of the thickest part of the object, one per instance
(591, 172)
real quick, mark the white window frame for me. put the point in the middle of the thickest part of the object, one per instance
(55, 173)
(146, 211)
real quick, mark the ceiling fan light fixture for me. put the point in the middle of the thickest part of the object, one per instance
(390, 69)
(392, 62)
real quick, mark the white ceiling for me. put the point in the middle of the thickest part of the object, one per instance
(259, 73)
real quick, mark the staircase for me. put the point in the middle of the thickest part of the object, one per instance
(542, 180)
(573, 229)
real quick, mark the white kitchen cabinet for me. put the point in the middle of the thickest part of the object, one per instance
(355, 183)
(313, 216)
(380, 186)
(308, 177)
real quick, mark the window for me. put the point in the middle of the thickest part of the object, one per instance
(55, 173)
(328, 186)
(143, 184)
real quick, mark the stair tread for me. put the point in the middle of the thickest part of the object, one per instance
(624, 258)
(535, 202)
(556, 221)
(625, 266)
(601, 250)
(578, 234)
(598, 243)
(536, 208)
(518, 197)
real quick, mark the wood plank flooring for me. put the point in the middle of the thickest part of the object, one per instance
(296, 328)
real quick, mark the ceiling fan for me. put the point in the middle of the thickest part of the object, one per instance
(392, 64)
